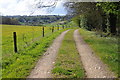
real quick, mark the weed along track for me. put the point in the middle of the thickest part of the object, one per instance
(94, 67)
(45, 64)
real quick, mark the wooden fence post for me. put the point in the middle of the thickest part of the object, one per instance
(52, 29)
(43, 32)
(58, 27)
(15, 41)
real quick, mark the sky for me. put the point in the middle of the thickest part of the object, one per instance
(26, 7)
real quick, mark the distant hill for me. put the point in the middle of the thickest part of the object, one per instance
(33, 20)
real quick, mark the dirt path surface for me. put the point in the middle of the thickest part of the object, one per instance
(45, 64)
(93, 66)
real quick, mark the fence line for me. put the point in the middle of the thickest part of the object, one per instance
(43, 35)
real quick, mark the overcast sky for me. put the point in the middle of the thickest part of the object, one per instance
(25, 7)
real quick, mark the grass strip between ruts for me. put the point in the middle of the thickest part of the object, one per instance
(68, 64)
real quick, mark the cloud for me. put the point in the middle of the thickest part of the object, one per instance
(25, 7)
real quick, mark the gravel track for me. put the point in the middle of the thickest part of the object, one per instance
(46, 63)
(92, 64)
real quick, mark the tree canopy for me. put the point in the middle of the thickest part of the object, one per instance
(100, 16)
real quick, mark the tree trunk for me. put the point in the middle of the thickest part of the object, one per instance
(104, 21)
(79, 24)
(112, 20)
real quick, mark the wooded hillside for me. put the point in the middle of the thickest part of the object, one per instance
(33, 20)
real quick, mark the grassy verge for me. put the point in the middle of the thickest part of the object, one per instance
(105, 47)
(68, 63)
(20, 65)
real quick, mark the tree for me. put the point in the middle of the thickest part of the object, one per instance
(88, 11)
(10, 21)
(113, 10)
(77, 20)
(96, 14)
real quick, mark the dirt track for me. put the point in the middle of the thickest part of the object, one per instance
(45, 64)
(93, 66)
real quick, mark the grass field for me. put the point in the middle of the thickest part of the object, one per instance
(68, 64)
(31, 45)
(105, 47)
(25, 34)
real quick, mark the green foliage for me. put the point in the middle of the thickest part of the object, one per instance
(95, 16)
(110, 7)
(77, 20)
(105, 47)
(68, 63)
(10, 21)
(83, 21)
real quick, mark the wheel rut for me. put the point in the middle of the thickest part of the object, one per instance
(46, 63)
(93, 66)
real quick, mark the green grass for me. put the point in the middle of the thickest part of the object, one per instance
(19, 65)
(25, 35)
(68, 63)
(105, 47)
